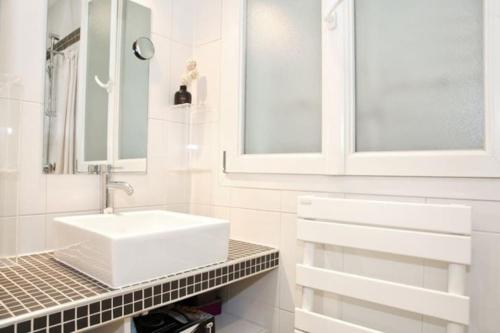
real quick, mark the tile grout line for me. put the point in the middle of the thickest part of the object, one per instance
(14, 282)
(62, 275)
(6, 307)
(31, 274)
(15, 298)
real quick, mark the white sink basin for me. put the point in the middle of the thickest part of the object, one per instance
(123, 249)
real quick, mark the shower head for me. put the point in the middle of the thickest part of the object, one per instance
(54, 36)
(54, 39)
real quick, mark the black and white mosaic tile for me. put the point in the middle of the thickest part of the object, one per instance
(41, 295)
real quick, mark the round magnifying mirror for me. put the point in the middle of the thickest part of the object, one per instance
(144, 48)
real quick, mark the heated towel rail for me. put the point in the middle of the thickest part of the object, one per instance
(436, 232)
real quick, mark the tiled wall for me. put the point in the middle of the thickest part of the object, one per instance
(43, 197)
(262, 209)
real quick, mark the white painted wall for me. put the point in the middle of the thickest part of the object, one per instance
(262, 209)
(64, 16)
(43, 197)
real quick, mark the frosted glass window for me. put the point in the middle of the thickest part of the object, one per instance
(419, 75)
(96, 99)
(134, 82)
(283, 77)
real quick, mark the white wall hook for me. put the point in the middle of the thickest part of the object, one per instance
(331, 17)
(108, 85)
(331, 21)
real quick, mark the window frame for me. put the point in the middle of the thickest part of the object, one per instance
(232, 106)
(445, 163)
(338, 156)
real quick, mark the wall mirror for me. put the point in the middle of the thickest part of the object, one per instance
(97, 85)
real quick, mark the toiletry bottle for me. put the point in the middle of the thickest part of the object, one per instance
(182, 96)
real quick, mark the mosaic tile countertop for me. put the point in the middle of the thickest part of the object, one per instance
(41, 295)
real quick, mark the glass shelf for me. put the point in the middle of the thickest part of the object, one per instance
(181, 106)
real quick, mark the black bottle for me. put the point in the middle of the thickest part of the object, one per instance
(182, 96)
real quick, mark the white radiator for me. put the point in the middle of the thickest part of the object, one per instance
(436, 232)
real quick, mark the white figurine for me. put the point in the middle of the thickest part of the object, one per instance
(191, 73)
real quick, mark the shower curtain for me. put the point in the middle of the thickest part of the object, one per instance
(65, 90)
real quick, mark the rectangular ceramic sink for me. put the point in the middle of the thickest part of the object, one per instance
(123, 249)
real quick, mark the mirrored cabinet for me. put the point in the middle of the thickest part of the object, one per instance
(97, 85)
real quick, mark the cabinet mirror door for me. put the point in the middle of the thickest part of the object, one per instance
(97, 85)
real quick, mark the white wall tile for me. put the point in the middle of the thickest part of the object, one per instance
(221, 212)
(138, 209)
(159, 79)
(31, 231)
(384, 197)
(201, 137)
(201, 188)
(23, 33)
(8, 194)
(177, 141)
(289, 257)
(8, 229)
(72, 193)
(483, 283)
(202, 210)
(32, 181)
(149, 189)
(255, 199)
(180, 208)
(256, 226)
(183, 12)
(178, 187)
(221, 194)
(383, 266)
(329, 257)
(207, 87)
(207, 21)
(157, 138)
(227, 323)
(485, 214)
(289, 199)
(380, 318)
(433, 325)
(255, 299)
(161, 17)
(9, 120)
(276, 320)
(435, 275)
(286, 322)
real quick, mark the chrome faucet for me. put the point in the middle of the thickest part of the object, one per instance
(108, 186)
